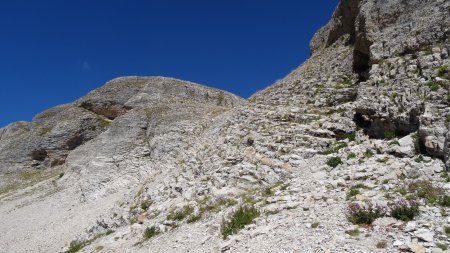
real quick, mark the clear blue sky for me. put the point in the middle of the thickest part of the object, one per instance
(53, 52)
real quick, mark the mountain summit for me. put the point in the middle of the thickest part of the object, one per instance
(347, 153)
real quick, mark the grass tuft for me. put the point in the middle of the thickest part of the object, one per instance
(243, 216)
(151, 232)
(358, 214)
(334, 161)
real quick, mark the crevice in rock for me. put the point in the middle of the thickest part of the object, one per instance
(345, 17)
(381, 128)
(361, 52)
(109, 110)
(39, 154)
(74, 142)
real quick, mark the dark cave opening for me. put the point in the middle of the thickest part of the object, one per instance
(39, 154)
(361, 52)
(380, 128)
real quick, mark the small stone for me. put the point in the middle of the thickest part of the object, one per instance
(436, 250)
(384, 222)
(417, 248)
(424, 234)
(410, 226)
(397, 243)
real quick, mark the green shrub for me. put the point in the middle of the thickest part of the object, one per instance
(344, 135)
(194, 217)
(402, 191)
(346, 81)
(442, 246)
(445, 201)
(368, 153)
(389, 134)
(433, 86)
(352, 192)
(419, 159)
(334, 161)
(351, 155)
(315, 225)
(243, 216)
(445, 176)
(358, 214)
(145, 204)
(447, 230)
(75, 247)
(443, 71)
(353, 232)
(181, 214)
(335, 148)
(426, 190)
(339, 86)
(404, 210)
(394, 143)
(151, 232)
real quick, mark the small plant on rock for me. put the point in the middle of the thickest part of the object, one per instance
(334, 161)
(447, 231)
(358, 214)
(368, 153)
(426, 190)
(351, 155)
(389, 134)
(243, 216)
(443, 71)
(352, 192)
(433, 86)
(419, 159)
(145, 204)
(404, 210)
(442, 246)
(75, 247)
(181, 214)
(151, 232)
(444, 201)
(353, 232)
(381, 244)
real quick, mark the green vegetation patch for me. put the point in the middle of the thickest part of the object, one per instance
(390, 134)
(424, 189)
(334, 161)
(433, 86)
(243, 216)
(358, 214)
(443, 71)
(353, 232)
(151, 232)
(404, 210)
(180, 214)
(76, 246)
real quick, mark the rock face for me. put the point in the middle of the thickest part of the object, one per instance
(364, 120)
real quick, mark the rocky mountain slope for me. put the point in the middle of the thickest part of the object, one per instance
(345, 154)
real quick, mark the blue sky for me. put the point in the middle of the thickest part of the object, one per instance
(53, 52)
